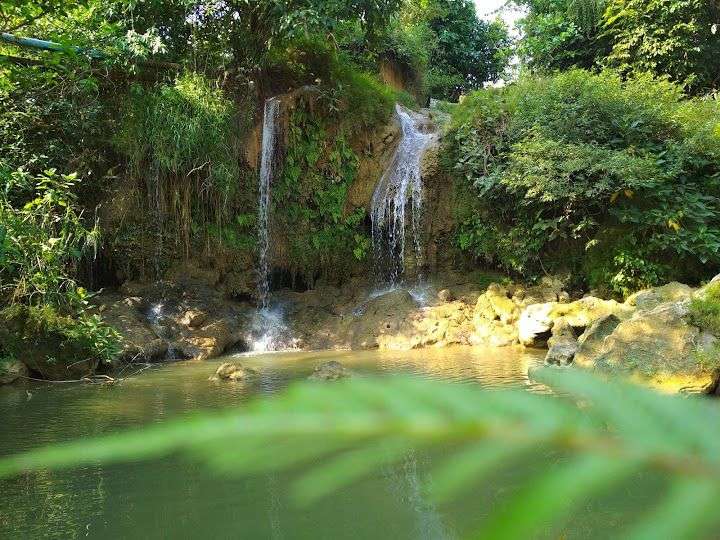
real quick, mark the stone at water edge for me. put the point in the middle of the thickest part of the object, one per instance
(11, 371)
(591, 341)
(535, 322)
(562, 345)
(234, 372)
(446, 295)
(330, 371)
(657, 347)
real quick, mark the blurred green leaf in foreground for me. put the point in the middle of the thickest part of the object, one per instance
(607, 433)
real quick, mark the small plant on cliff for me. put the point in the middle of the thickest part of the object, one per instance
(705, 310)
(310, 198)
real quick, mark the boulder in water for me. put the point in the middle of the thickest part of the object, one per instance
(562, 345)
(234, 372)
(330, 371)
(11, 371)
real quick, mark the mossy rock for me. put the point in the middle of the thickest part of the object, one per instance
(42, 340)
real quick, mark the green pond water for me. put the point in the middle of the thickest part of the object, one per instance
(175, 498)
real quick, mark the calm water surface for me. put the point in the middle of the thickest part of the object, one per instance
(174, 498)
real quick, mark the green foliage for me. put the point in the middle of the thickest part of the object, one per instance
(42, 238)
(705, 309)
(336, 434)
(181, 129)
(73, 338)
(588, 171)
(673, 39)
(309, 198)
(452, 49)
(561, 34)
(667, 39)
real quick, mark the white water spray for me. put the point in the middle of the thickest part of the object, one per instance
(400, 185)
(267, 172)
(268, 330)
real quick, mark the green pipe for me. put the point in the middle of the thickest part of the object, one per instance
(47, 45)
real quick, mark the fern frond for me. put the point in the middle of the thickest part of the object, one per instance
(606, 433)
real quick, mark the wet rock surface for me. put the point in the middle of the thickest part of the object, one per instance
(330, 371)
(649, 337)
(234, 373)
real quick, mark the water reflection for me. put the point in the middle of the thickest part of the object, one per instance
(172, 498)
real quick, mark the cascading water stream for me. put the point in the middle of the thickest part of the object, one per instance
(269, 331)
(400, 186)
(267, 171)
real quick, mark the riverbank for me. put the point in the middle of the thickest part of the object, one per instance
(655, 337)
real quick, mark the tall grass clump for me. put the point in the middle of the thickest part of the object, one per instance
(179, 141)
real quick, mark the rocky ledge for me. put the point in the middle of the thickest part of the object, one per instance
(652, 337)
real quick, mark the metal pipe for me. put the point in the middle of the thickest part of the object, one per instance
(47, 45)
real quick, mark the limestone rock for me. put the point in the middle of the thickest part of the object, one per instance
(500, 302)
(194, 318)
(562, 345)
(657, 346)
(535, 324)
(582, 313)
(140, 342)
(446, 295)
(382, 318)
(11, 371)
(234, 373)
(652, 298)
(330, 371)
(591, 341)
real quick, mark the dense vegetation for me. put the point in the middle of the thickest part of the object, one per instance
(614, 181)
(123, 147)
(667, 39)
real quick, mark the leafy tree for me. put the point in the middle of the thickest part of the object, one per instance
(674, 39)
(459, 51)
(560, 34)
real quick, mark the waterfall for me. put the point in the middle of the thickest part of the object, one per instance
(267, 171)
(268, 330)
(400, 185)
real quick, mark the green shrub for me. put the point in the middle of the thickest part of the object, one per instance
(42, 239)
(705, 310)
(558, 163)
(181, 128)
(70, 339)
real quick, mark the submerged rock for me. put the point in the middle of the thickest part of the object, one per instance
(234, 372)
(330, 371)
